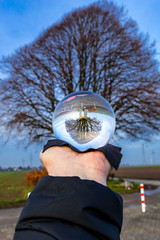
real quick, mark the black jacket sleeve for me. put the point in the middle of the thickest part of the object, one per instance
(67, 208)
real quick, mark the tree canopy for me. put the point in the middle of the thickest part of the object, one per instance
(96, 48)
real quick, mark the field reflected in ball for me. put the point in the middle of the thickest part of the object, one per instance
(84, 119)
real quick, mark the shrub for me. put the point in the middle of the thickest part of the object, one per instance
(33, 177)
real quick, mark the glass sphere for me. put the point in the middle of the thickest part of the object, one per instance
(84, 119)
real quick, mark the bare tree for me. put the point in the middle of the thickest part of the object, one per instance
(97, 48)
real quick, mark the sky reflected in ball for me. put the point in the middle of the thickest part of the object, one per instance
(85, 120)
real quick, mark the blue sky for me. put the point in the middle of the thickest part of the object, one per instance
(22, 21)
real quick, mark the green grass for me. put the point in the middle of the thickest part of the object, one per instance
(13, 191)
(115, 186)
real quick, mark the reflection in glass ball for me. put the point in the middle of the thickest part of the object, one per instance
(84, 119)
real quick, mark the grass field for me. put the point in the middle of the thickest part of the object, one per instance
(115, 186)
(13, 191)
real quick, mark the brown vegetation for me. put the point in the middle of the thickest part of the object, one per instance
(32, 178)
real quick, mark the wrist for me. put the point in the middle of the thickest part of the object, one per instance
(64, 162)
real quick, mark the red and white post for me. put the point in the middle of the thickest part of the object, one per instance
(143, 205)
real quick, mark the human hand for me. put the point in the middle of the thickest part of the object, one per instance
(63, 161)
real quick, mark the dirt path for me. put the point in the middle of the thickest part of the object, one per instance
(9, 216)
(148, 172)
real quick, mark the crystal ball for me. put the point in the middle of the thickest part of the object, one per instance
(84, 119)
